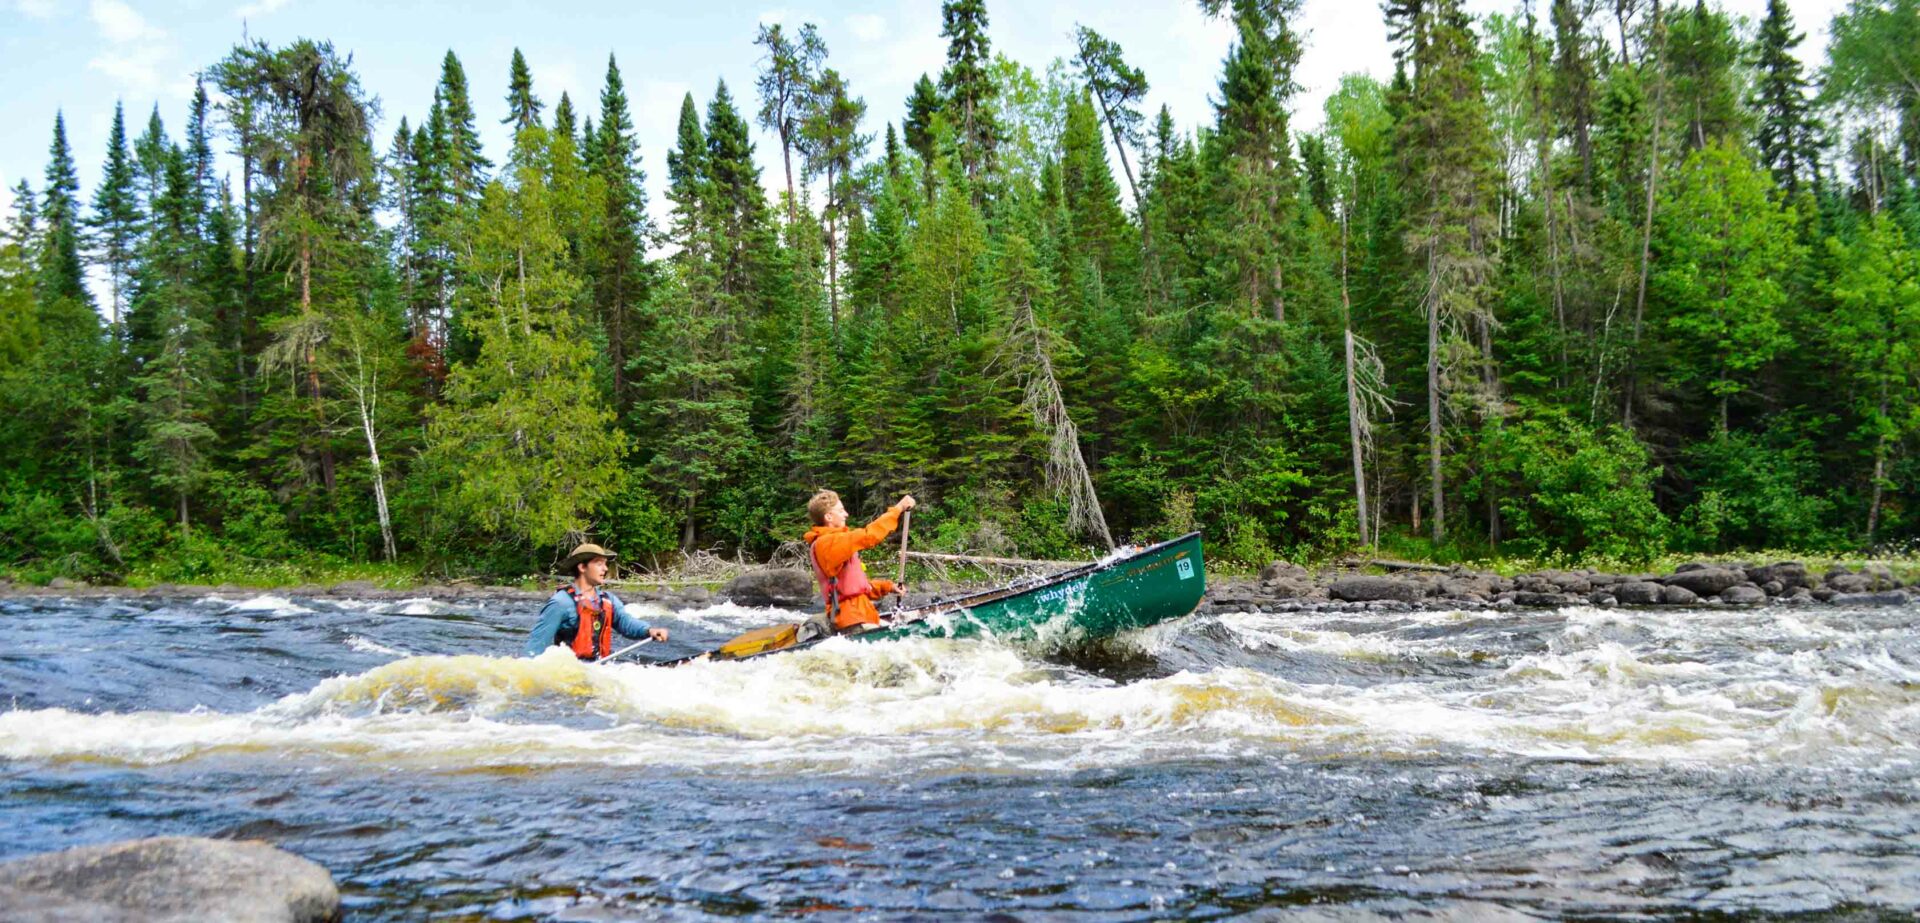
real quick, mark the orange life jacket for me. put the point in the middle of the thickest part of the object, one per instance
(593, 639)
(849, 582)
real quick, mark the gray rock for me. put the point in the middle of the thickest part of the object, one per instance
(168, 880)
(1824, 594)
(1689, 567)
(1287, 588)
(1368, 589)
(1568, 581)
(771, 586)
(694, 594)
(1786, 573)
(1463, 587)
(1773, 588)
(62, 583)
(1849, 583)
(1603, 599)
(1884, 598)
(1638, 593)
(352, 588)
(1678, 596)
(1799, 594)
(1879, 577)
(1707, 581)
(1745, 594)
(1544, 600)
(1282, 570)
(1600, 580)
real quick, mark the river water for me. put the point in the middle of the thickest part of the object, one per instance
(1581, 762)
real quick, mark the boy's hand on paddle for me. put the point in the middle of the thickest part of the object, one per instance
(906, 503)
(657, 634)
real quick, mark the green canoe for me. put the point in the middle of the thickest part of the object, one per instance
(1134, 589)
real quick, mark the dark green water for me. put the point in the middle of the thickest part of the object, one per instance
(1343, 766)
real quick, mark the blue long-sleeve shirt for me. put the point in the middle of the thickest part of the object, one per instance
(560, 620)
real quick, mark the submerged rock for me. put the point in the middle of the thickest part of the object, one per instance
(168, 880)
(1885, 598)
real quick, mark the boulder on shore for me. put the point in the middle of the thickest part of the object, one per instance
(1743, 595)
(1638, 593)
(1678, 596)
(771, 586)
(168, 880)
(1707, 581)
(1373, 589)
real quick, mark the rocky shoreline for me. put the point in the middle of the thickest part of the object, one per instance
(1280, 587)
(1283, 587)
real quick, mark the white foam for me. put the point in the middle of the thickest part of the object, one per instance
(364, 646)
(278, 605)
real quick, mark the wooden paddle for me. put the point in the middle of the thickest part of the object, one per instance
(900, 596)
(623, 650)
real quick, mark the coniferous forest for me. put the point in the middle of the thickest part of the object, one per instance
(1597, 280)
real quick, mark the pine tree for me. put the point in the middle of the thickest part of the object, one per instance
(832, 142)
(523, 108)
(116, 217)
(786, 82)
(1256, 183)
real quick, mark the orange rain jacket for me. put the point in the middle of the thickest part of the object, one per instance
(834, 546)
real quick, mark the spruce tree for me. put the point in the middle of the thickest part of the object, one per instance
(619, 249)
(523, 108)
(61, 275)
(1788, 134)
(968, 88)
(460, 156)
(176, 378)
(922, 106)
(116, 219)
(525, 433)
(1450, 172)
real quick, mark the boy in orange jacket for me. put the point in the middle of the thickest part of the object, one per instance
(835, 550)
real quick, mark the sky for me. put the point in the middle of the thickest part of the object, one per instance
(78, 56)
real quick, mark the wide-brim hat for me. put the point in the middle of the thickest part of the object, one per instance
(584, 552)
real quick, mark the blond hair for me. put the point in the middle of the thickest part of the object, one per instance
(820, 505)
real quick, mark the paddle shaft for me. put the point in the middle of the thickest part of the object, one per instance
(900, 596)
(623, 650)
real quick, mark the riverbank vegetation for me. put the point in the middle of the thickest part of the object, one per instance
(1572, 284)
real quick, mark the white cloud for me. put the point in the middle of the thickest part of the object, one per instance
(122, 24)
(867, 27)
(37, 9)
(138, 55)
(259, 8)
(775, 17)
